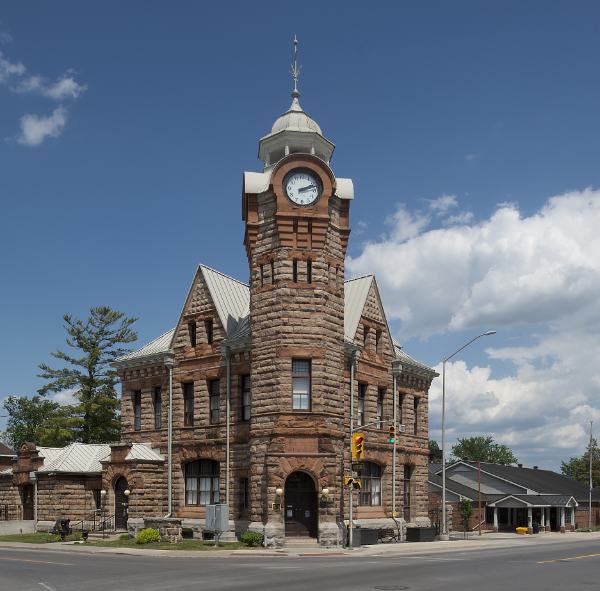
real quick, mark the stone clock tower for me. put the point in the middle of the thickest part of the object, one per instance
(296, 215)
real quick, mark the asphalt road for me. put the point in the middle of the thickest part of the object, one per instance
(544, 567)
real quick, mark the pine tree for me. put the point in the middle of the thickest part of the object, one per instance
(96, 417)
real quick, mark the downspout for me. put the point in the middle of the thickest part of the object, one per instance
(169, 364)
(228, 405)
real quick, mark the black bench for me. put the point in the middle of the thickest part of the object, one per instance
(390, 533)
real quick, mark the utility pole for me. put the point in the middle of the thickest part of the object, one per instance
(591, 487)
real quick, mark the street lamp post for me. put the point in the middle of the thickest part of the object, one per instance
(444, 535)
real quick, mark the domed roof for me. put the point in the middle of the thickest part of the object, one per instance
(295, 119)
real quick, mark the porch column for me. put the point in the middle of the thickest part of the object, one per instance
(542, 516)
(529, 520)
(495, 519)
(548, 518)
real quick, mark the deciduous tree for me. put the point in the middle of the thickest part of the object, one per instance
(483, 449)
(579, 468)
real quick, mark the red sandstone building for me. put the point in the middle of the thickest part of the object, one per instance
(249, 400)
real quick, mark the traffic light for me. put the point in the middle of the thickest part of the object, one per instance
(348, 480)
(357, 445)
(356, 484)
(392, 433)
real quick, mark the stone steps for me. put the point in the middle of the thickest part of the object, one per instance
(301, 543)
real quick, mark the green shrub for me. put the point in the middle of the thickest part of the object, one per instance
(124, 537)
(146, 536)
(251, 538)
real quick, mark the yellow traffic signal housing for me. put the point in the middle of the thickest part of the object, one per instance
(348, 480)
(392, 433)
(357, 445)
(356, 484)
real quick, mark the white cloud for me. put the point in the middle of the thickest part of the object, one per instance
(542, 270)
(5, 37)
(34, 129)
(500, 272)
(470, 157)
(462, 218)
(442, 204)
(66, 397)
(64, 88)
(7, 69)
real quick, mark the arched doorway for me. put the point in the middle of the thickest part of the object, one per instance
(121, 503)
(301, 516)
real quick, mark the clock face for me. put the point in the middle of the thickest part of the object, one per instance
(302, 187)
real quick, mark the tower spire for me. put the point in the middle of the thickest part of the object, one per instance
(295, 71)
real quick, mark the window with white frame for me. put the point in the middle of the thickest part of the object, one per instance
(301, 384)
(214, 387)
(370, 493)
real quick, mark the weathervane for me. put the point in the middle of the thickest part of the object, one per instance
(295, 72)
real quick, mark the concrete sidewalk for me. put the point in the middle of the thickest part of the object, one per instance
(456, 542)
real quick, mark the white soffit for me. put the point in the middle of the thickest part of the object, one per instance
(355, 296)
(256, 182)
(344, 188)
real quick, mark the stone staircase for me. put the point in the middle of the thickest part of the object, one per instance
(301, 543)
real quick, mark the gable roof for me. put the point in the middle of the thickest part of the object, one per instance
(230, 297)
(6, 451)
(356, 292)
(542, 482)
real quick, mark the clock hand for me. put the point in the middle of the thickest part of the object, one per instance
(307, 188)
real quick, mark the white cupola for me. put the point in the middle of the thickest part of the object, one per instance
(295, 132)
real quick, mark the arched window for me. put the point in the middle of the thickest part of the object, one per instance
(370, 493)
(201, 482)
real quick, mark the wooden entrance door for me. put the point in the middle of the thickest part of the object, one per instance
(121, 504)
(28, 502)
(301, 517)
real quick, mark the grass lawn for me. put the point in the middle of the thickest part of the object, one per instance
(128, 542)
(39, 538)
(183, 545)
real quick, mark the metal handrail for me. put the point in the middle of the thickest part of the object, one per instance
(11, 512)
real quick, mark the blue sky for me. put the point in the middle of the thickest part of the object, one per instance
(470, 130)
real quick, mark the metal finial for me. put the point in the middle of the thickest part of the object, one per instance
(295, 71)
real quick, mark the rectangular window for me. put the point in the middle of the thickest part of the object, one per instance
(202, 482)
(295, 271)
(416, 415)
(360, 414)
(301, 384)
(137, 410)
(209, 331)
(273, 272)
(406, 498)
(400, 406)
(370, 493)
(366, 333)
(97, 498)
(328, 273)
(188, 404)
(568, 514)
(157, 408)
(192, 328)
(380, 395)
(244, 493)
(215, 401)
(378, 341)
(245, 398)
(309, 271)
(262, 277)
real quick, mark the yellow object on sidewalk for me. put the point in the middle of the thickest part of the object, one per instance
(522, 530)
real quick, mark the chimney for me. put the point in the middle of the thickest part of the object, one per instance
(520, 465)
(535, 467)
(502, 463)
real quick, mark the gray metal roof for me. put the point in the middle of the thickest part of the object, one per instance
(160, 345)
(230, 296)
(76, 457)
(456, 487)
(144, 452)
(355, 296)
(408, 361)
